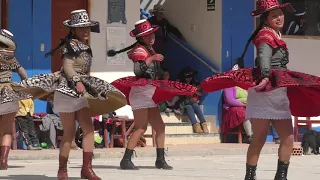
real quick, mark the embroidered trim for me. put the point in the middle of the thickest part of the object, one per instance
(270, 37)
(77, 46)
(5, 80)
(8, 63)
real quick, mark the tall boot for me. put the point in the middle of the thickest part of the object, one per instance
(126, 162)
(4, 153)
(250, 172)
(63, 171)
(282, 171)
(161, 162)
(86, 171)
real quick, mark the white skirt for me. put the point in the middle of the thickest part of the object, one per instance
(67, 104)
(140, 97)
(9, 107)
(273, 105)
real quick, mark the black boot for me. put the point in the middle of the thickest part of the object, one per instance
(282, 171)
(126, 162)
(161, 162)
(251, 172)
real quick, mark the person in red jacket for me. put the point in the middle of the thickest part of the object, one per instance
(146, 90)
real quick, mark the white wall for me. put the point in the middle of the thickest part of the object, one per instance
(304, 55)
(207, 36)
(100, 67)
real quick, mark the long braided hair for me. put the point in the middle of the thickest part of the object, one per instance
(66, 42)
(240, 60)
(157, 67)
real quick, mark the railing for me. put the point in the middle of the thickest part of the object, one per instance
(187, 47)
(144, 13)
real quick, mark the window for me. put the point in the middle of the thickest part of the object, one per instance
(305, 22)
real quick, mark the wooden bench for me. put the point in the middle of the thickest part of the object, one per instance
(123, 120)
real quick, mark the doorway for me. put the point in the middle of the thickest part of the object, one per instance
(237, 26)
(61, 10)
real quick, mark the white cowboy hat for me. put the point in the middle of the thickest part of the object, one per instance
(80, 18)
(6, 39)
(156, 8)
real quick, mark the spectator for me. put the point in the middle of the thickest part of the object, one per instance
(298, 25)
(235, 102)
(170, 105)
(165, 28)
(24, 119)
(275, 135)
(51, 122)
(189, 104)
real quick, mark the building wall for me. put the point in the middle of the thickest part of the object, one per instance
(304, 55)
(201, 28)
(121, 67)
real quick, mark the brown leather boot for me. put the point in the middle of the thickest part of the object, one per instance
(63, 171)
(86, 171)
(197, 128)
(4, 153)
(205, 128)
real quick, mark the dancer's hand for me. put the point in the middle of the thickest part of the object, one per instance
(80, 88)
(262, 85)
(157, 57)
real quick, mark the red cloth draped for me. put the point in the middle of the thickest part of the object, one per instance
(233, 117)
(303, 90)
(165, 89)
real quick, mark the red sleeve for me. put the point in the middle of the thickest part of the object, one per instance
(138, 54)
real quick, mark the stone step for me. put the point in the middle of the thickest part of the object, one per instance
(175, 128)
(172, 117)
(179, 139)
(178, 128)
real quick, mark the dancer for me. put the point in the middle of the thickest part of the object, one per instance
(144, 92)
(284, 92)
(9, 99)
(77, 96)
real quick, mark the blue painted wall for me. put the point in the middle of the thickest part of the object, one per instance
(30, 22)
(237, 26)
(178, 58)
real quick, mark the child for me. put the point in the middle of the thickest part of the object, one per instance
(24, 119)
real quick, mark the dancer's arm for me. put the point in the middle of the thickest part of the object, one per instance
(264, 55)
(22, 73)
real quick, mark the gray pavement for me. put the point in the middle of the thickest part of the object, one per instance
(218, 167)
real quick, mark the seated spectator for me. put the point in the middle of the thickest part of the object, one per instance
(235, 100)
(24, 119)
(189, 104)
(169, 105)
(275, 135)
(298, 25)
(51, 123)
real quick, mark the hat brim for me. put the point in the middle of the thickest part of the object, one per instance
(286, 6)
(153, 29)
(80, 25)
(152, 11)
(8, 42)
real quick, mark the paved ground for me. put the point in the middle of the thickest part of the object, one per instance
(219, 167)
(181, 150)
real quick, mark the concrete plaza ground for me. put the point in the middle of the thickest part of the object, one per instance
(210, 162)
